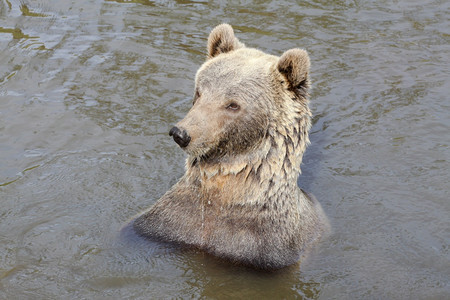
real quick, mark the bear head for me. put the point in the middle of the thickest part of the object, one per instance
(242, 96)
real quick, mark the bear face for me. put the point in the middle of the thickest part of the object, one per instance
(223, 121)
(239, 93)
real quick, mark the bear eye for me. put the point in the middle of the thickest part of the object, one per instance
(196, 96)
(233, 106)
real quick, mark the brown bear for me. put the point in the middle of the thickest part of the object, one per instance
(245, 136)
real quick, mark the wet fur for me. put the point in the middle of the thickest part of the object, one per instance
(239, 198)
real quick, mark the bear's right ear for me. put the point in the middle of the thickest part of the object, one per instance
(294, 65)
(222, 40)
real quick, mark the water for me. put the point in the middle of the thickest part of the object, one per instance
(89, 90)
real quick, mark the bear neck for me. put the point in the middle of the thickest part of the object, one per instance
(254, 177)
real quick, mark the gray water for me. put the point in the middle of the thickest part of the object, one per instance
(89, 90)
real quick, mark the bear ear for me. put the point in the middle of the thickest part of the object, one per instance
(294, 65)
(222, 40)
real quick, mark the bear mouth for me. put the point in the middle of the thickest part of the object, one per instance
(210, 155)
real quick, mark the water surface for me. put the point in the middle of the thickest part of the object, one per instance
(89, 90)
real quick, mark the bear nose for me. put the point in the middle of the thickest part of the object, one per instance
(181, 137)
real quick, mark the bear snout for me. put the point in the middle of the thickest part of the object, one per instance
(180, 136)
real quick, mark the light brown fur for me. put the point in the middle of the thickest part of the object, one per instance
(239, 198)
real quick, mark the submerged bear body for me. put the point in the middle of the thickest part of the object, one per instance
(245, 137)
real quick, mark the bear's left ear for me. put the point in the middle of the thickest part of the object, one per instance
(222, 40)
(294, 65)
